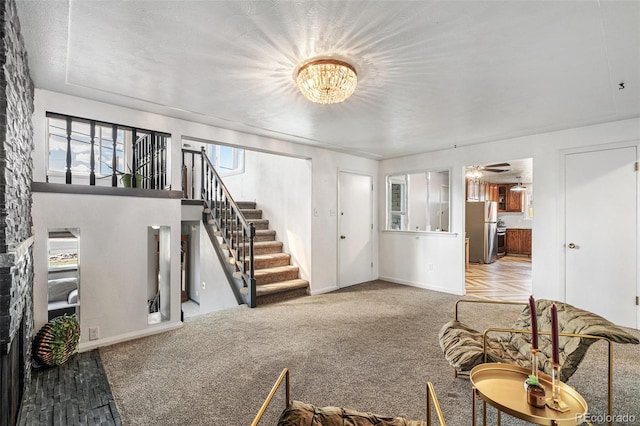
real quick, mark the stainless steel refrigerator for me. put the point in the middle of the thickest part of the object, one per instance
(481, 226)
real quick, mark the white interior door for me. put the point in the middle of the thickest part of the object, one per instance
(355, 228)
(601, 233)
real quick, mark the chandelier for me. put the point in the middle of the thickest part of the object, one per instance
(474, 173)
(327, 81)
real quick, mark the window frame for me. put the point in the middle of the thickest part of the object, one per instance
(126, 144)
(238, 159)
(404, 177)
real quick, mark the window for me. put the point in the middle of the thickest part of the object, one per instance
(418, 201)
(81, 146)
(63, 249)
(226, 159)
(63, 277)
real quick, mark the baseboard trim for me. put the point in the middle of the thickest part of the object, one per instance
(324, 290)
(156, 329)
(422, 285)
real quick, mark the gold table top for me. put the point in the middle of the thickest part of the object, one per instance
(502, 386)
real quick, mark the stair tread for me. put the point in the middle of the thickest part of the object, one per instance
(271, 256)
(276, 269)
(281, 286)
(265, 231)
(266, 243)
(246, 204)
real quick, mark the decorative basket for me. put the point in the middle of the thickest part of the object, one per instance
(56, 341)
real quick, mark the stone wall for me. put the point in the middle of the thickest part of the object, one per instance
(16, 171)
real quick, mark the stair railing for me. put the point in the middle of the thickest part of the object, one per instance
(237, 233)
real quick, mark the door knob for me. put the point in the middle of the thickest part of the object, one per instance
(572, 246)
(342, 237)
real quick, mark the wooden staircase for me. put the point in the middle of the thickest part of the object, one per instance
(276, 278)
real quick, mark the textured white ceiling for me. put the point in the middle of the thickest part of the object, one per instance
(432, 74)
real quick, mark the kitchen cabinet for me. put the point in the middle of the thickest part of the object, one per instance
(518, 241)
(493, 191)
(509, 201)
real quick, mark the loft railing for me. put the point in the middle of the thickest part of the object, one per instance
(236, 232)
(149, 159)
(144, 157)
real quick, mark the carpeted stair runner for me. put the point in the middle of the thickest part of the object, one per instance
(276, 278)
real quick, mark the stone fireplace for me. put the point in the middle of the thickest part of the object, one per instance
(16, 239)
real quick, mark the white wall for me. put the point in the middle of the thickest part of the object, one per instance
(113, 260)
(216, 294)
(322, 193)
(414, 251)
(277, 184)
(205, 266)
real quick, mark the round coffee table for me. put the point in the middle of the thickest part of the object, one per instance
(502, 386)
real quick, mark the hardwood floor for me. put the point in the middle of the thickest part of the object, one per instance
(508, 278)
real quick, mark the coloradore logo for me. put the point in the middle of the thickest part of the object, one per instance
(606, 418)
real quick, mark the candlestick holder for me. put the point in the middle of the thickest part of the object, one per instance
(534, 362)
(536, 394)
(555, 402)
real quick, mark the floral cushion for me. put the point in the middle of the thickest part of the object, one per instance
(302, 414)
(462, 345)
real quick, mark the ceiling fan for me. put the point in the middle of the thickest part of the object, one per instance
(493, 167)
(475, 172)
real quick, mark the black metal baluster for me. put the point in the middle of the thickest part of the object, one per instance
(152, 160)
(193, 181)
(68, 173)
(114, 160)
(134, 159)
(92, 160)
(252, 275)
(202, 177)
(160, 140)
(183, 176)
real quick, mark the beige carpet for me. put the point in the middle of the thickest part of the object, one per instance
(370, 347)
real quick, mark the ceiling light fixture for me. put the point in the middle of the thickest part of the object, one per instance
(519, 186)
(474, 173)
(327, 81)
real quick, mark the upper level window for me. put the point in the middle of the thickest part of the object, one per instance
(81, 146)
(226, 159)
(95, 151)
(418, 201)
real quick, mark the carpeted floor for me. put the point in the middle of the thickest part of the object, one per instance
(370, 347)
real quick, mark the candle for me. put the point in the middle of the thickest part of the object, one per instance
(554, 335)
(534, 323)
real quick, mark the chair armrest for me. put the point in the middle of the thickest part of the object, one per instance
(494, 302)
(433, 398)
(283, 376)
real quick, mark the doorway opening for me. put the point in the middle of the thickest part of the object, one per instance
(498, 229)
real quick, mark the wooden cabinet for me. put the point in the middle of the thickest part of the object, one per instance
(493, 191)
(518, 241)
(514, 200)
(508, 201)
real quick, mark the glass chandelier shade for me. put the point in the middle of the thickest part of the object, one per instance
(474, 174)
(327, 81)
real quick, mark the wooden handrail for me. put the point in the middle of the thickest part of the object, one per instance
(237, 233)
